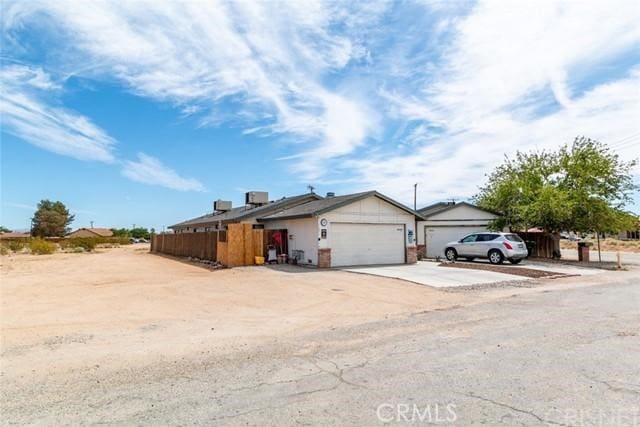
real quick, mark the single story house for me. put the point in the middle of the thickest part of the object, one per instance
(244, 214)
(354, 229)
(91, 232)
(15, 235)
(445, 222)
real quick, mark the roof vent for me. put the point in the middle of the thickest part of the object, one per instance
(331, 194)
(221, 205)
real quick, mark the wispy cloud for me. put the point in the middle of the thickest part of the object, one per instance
(24, 206)
(149, 170)
(373, 94)
(26, 114)
(513, 77)
(269, 58)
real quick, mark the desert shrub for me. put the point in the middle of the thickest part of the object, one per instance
(3, 250)
(16, 245)
(120, 240)
(41, 247)
(86, 243)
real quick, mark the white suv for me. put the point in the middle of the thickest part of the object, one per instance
(496, 247)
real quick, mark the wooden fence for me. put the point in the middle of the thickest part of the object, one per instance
(544, 244)
(240, 244)
(236, 246)
(198, 245)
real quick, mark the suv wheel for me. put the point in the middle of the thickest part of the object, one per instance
(495, 257)
(451, 254)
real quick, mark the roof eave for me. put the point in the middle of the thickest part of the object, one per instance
(299, 216)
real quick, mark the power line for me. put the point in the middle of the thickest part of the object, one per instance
(625, 144)
(626, 137)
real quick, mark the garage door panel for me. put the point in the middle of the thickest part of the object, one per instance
(366, 244)
(436, 238)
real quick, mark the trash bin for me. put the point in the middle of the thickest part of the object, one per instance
(583, 251)
(531, 247)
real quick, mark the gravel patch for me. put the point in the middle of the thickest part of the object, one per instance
(513, 270)
(604, 265)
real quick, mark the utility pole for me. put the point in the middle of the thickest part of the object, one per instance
(91, 223)
(415, 196)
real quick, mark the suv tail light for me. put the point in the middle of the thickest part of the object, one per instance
(506, 245)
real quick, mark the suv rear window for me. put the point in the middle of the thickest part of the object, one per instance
(513, 238)
(486, 237)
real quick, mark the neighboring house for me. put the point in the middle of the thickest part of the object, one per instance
(355, 229)
(91, 232)
(13, 235)
(629, 235)
(448, 221)
(244, 214)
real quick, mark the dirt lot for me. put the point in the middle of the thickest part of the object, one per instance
(120, 307)
(612, 245)
(74, 322)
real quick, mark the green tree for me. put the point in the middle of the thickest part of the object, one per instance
(582, 187)
(120, 232)
(139, 233)
(51, 219)
(4, 229)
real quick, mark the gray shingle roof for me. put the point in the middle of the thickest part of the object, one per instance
(439, 207)
(245, 212)
(436, 207)
(327, 204)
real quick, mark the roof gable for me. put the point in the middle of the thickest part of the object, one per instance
(102, 232)
(443, 210)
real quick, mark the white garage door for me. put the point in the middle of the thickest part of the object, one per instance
(436, 238)
(362, 244)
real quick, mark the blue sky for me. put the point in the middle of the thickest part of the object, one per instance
(145, 112)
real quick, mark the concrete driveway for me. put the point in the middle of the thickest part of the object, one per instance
(431, 274)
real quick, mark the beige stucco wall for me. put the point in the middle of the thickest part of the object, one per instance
(460, 216)
(302, 235)
(371, 210)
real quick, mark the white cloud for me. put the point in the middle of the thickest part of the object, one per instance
(25, 113)
(454, 165)
(461, 85)
(150, 170)
(20, 206)
(268, 57)
(512, 78)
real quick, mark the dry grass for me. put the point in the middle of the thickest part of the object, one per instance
(606, 245)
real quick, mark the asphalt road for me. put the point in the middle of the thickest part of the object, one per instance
(607, 256)
(564, 356)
